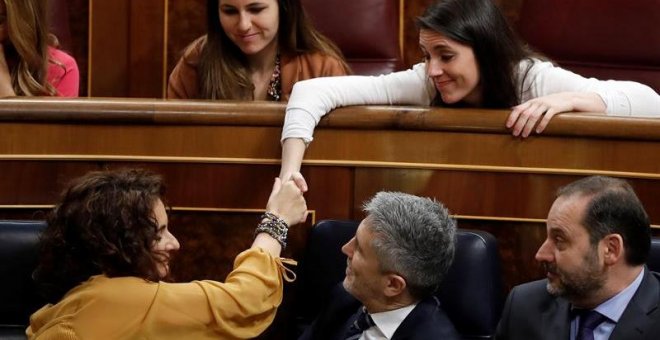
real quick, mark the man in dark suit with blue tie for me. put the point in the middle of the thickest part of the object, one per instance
(597, 285)
(396, 261)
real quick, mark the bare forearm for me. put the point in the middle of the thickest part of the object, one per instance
(588, 102)
(293, 150)
(268, 244)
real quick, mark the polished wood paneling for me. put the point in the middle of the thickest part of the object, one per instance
(146, 49)
(79, 25)
(517, 243)
(411, 10)
(211, 240)
(109, 41)
(37, 182)
(127, 48)
(186, 21)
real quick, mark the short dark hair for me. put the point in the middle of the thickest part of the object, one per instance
(415, 238)
(614, 209)
(103, 224)
(498, 50)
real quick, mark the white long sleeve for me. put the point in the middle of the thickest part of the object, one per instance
(313, 98)
(622, 98)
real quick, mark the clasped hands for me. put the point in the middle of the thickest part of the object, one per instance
(286, 199)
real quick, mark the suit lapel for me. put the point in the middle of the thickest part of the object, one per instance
(335, 319)
(636, 320)
(556, 320)
(407, 329)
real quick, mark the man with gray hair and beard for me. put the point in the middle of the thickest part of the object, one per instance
(399, 256)
(597, 285)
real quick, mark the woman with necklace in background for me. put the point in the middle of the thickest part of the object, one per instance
(30, 63)
(254, 50)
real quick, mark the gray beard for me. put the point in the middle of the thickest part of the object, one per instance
(580, 285)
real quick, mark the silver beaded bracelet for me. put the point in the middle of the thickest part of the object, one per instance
(273, 226)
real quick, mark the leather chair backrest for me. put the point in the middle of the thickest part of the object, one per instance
(18, 258)
(366, 31)
(653, 261)
(610, 39)
(471, 293)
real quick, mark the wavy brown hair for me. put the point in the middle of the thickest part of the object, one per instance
(104, 224)
(27, 49)
(223, 69)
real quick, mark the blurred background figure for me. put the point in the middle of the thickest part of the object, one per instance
(30, 62)
(254, 50)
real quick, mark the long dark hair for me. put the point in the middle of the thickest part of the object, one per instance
(104, 224)
(222, 69)
(482, 26)
(27, 51)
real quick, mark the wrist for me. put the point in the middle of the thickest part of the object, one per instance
(588, 102)
(277, 215)
(274, 226)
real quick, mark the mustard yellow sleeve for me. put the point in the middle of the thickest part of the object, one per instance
(241, 307)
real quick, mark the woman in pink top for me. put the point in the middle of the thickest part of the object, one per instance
(30, 65)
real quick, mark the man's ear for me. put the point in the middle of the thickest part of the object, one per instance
(613, 249)
(396, 285)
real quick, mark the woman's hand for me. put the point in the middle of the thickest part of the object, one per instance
(286, 201)
(525, 116)
(297, 178)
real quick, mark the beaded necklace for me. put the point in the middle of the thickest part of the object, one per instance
(274, 90)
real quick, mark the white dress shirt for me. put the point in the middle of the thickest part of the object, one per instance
(386, 323)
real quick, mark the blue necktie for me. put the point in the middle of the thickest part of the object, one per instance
(589, 320)
(361, 324)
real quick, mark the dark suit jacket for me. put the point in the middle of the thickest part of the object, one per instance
(532, 313)
(426, 321)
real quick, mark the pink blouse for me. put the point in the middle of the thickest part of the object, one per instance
(63, 73)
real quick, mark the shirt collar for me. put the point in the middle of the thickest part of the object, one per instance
(389, 321)
(613, 308)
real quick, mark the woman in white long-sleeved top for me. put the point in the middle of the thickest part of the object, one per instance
(472, 59)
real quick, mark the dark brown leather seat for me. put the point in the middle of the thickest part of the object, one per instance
(606, 39)
(366, 31)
